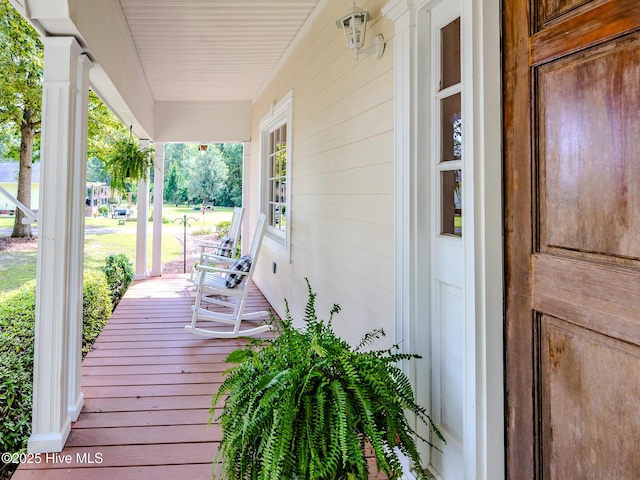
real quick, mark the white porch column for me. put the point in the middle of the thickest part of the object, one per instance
(142, 224)
(158, 194)
(79, 192)
(246, 167)
(56, 256)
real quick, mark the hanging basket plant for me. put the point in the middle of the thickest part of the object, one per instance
(127, 162)
(306, 405)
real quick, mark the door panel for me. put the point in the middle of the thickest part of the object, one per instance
(548, 11)
(590, 399)
(572, 238)
(451, 343)
(588, 110)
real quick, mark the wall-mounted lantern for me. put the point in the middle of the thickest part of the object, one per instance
(354, 26)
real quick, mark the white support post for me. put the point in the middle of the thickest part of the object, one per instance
(76, 269)
(51, 423)
(142, 224)
(158, 189)
(246, 165)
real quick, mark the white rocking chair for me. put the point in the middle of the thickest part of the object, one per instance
(221, 253)
(218, 286)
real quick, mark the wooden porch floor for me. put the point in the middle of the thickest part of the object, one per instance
(147, 386)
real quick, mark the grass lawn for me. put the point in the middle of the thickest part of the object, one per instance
(6, 222)
(16, 268)
(104, 236)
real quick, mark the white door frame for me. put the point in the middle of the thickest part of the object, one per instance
(482, 210)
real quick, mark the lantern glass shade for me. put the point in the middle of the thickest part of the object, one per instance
(354, 26)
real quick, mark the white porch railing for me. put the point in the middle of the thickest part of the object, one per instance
(32, 217)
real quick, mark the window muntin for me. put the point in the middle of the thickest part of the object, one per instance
(277, 181)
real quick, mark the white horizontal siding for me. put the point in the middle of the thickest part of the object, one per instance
(342, 178)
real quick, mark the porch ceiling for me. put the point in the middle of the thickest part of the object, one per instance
(211, 50)
(179, 70)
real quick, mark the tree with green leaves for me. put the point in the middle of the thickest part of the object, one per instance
(103, 128)
(232, 154)
(175, 190)
(103, 125)
(22, 63)
(176, 159)
(9, 143)
(207, 176)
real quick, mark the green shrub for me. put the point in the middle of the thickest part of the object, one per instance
(17, 314)
(96, 307)
(202, 231)
(17, 321)
(119, 272)
(223, 228)
(103, 209)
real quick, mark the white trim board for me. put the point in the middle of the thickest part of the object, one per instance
(483, 383)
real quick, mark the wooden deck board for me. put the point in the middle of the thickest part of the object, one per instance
(158, 472)
(147, 385)
(142, 435)
(107, 361)
(150, 369)
(133, 404)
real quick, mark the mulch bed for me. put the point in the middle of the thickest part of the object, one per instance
(10, 244)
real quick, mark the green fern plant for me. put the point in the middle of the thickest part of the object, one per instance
(127, 163)
(306, 405)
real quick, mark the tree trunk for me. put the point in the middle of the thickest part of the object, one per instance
(27, 134)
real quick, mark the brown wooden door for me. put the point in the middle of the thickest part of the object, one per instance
(572, 238)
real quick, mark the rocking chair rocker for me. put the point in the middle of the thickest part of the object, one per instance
(229, 287)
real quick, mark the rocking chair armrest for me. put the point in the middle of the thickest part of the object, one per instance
(207, 268)
(203, 245)
(212, 258)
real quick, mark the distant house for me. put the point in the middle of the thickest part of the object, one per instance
(97, 193)
(9, 180)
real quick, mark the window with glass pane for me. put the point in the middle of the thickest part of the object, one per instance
(451, 128)
(450, 104)
(450, 42)
(278, 178)
(451, 202)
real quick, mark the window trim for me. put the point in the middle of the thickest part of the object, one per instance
(280, 113)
